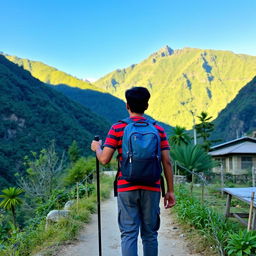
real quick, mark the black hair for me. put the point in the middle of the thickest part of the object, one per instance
(137, 99)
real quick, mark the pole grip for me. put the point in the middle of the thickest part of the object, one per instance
(96, 137)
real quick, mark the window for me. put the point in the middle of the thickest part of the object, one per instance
(221, 162)
(246, 162)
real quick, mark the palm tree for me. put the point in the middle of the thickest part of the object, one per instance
(204, 129)
(179, 136)
(192, 158)
(11, 200)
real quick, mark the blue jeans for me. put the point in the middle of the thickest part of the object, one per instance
(139, 209)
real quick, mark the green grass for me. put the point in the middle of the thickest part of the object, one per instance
(208, 218)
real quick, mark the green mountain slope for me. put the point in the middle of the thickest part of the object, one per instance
(184, 81)
(104, 104)
(239, 117)
(50, 75)
(92, 97)
(31, 115)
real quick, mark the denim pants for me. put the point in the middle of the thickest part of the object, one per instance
(139, 210)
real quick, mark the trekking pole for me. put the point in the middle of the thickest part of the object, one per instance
(97, 138)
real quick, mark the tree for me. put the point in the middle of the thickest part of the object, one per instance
(192, 158)
(42, 173)
(11, 200)
(179, 136)
(73, 152)
(204, 130)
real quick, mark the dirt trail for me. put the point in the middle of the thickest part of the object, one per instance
(171, 243)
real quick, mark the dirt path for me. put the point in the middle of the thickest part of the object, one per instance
(171, 242)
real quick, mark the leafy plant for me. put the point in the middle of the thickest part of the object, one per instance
(241, 243)
(11, 200)
(82, 168)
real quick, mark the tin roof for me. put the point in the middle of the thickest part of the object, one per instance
(242, 147)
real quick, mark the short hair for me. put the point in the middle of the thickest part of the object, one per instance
(137, 99)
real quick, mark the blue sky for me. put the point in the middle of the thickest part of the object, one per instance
(89, 38)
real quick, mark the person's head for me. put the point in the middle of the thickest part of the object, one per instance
(137, 99)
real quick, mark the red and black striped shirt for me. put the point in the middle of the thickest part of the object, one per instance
(114, 140)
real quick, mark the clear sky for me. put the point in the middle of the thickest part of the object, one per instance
(89, 38)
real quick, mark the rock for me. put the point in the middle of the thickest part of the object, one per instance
(68, 204)
(55, 216)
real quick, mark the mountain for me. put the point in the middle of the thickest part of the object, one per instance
(184, 82)
(90, 96)
(104, 104)
(239, 117)
(51, 75)
(32, 115)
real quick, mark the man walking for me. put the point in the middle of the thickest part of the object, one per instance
(138, 181)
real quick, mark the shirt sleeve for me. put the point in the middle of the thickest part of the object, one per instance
(164, 144)
(111, 139)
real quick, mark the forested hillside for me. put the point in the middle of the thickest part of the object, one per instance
(104, 104)
(92, 97)
(185, 81)
(51, 75)
(31, 115)
(239, 117)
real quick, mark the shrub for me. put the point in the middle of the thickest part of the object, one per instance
(241, 243)
(80, 169)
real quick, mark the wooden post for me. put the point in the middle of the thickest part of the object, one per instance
(86, 186)
(192, 183)
(228, 204)
(253, 176)
(254, 218)
(222, 179)
(77, 196)
(250, 212)
(203, 179)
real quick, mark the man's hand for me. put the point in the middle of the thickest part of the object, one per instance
(96, 145)
(169, 200)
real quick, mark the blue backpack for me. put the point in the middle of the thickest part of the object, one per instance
(141, 152)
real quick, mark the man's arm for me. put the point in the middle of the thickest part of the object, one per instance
(169, 199)
(105, 155)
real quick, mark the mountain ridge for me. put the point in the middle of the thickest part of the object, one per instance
(49, 74)
(190, 79)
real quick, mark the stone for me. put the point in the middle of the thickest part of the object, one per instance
(55, 216)
(68, 204)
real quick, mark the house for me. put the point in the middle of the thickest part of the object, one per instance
(235, 157)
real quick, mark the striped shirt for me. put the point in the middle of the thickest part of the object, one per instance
(114, 140)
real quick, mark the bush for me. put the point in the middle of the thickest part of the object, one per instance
(81, 168)
(241, 244)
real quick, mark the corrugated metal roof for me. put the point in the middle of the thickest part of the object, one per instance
(246, 147)
(233, 142)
